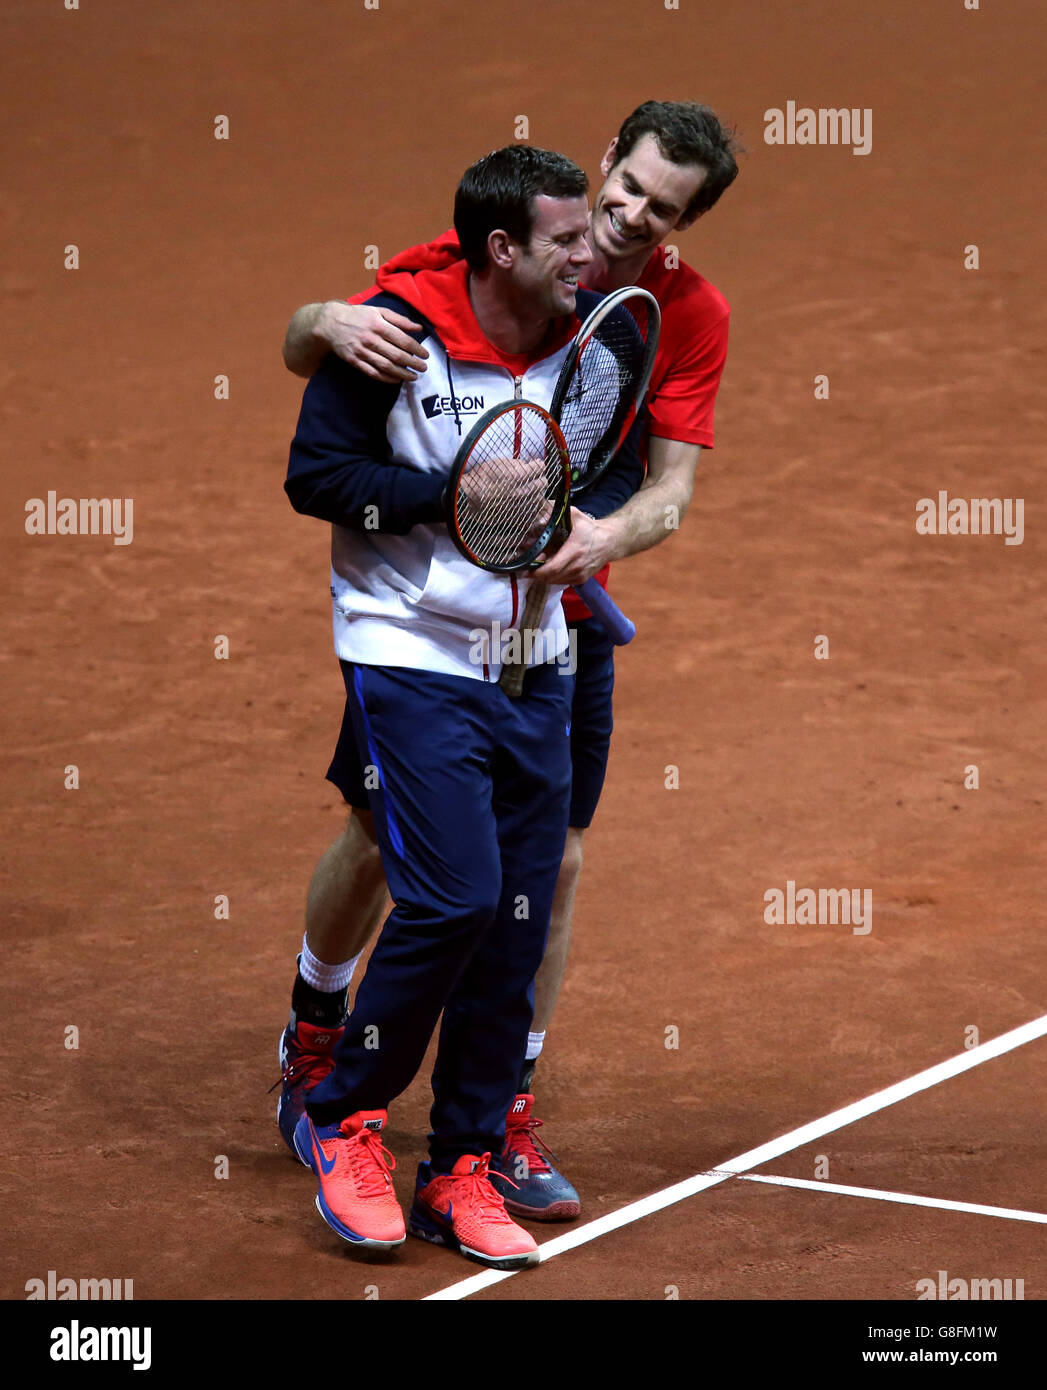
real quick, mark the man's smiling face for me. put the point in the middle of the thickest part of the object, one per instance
(546, 271)
(644, 197)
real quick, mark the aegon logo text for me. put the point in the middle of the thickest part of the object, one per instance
(448, 405)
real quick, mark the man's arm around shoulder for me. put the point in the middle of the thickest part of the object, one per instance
(377, 341)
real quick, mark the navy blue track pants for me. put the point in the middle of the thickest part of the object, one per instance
(471, 814)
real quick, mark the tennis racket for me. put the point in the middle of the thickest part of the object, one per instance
(597, 396)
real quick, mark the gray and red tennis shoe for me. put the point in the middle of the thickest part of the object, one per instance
(306, 1057)
(533, 1188)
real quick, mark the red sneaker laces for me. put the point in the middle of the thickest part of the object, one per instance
(309, 1067)
(372, 1163)
(525, 1141)
(481, 1192)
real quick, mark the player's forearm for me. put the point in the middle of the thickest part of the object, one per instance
(304, 346)
(648, 517)
(661, 503)
(364, 494)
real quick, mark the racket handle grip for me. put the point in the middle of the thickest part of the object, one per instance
(602, 606)
(511, 679)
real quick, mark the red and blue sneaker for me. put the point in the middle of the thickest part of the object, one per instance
(306, 1057)
(352, 1165)
(463, 1211)
(541, 1193)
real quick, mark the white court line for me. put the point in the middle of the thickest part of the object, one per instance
(881, 1195)
(775, 1148)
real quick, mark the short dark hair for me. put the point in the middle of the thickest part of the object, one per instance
(687, 133)
(497, 192)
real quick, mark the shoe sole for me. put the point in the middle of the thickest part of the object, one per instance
(298, 1152)
(423, 1228)
(358, 1242)
(556, 1211)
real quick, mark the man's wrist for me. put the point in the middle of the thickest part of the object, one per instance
(611, 539)
(320, 329)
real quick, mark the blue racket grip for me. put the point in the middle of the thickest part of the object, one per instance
(600, 603)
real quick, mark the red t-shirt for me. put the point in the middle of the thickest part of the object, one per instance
(692, 351)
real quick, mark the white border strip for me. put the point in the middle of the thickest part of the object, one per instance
(881, 1195)
(775, 1148)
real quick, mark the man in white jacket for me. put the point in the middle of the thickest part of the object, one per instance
(468, 789)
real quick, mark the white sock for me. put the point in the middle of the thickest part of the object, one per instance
(534, 1046)
(326, 978)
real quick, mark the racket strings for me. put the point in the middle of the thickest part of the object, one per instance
(510, 489)
(598, 406)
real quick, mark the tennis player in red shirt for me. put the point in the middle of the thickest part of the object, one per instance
(668, 165)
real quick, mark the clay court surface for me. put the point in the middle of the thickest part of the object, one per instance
(200, 777)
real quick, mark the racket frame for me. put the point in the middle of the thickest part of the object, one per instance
(608, 305)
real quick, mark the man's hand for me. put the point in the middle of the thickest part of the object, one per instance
(374, 341)
(510, 484)
(583, 554)
(501, 491)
